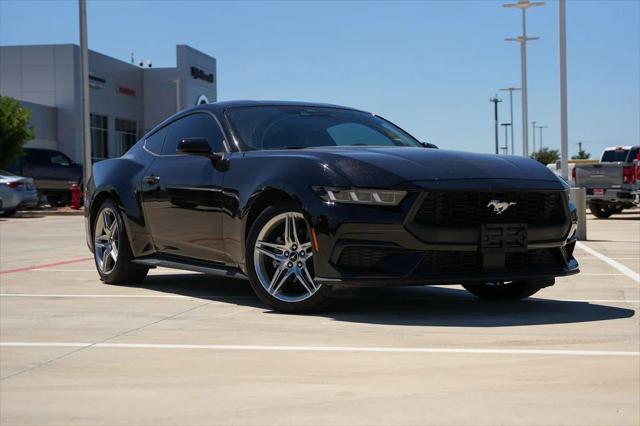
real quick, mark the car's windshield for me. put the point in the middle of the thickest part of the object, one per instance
(294, 127)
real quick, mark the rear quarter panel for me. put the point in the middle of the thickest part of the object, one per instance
(119, 180)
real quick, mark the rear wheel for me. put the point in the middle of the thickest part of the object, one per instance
(600, 210)
(509, 290)
(111, 249)
(279, 261)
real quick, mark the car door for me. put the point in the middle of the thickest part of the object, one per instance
(181, 194)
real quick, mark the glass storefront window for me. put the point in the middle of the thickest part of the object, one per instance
(99, 137)
(126, 136)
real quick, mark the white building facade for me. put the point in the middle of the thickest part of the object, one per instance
(126, 100)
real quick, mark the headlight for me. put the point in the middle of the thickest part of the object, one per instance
(360, 196)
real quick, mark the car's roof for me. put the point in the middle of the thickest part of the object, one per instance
(251, 103)
(627, 147)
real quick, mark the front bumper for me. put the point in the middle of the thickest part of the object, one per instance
(382, 246)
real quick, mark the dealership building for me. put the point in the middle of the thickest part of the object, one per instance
(126, 100)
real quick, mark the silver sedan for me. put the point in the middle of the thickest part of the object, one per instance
(16, 192)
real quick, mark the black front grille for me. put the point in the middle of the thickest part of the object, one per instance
(535, 259)
(361, 257)
(471, 208)
(450, 261)
(455, 262)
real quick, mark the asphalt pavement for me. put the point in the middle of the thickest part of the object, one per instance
(185, 348)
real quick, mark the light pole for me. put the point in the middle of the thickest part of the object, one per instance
(510, 90)
(506, 138)
(84, 74)
(495, 101)
(533, 123)
(564, 129)
(523, 5)
(540, 128)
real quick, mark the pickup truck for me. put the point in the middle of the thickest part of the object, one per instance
(52, 171)
(611, 184)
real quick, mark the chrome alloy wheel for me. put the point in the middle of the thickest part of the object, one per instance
(106, 241)
(282, 258)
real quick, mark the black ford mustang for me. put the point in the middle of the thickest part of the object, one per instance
(305, 198)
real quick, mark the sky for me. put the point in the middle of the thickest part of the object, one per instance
(429, 66)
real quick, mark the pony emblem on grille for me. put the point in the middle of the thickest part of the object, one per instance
(500, 207)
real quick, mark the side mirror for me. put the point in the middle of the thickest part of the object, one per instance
(196, 146)
(429, 145)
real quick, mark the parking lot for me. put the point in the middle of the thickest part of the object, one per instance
(186, 348)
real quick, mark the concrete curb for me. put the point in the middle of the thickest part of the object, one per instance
(37, 213)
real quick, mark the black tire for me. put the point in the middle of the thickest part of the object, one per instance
(514, 290)
(8, 213)
(125, 272)
(617, 209)
(600, 210)
(316, 302)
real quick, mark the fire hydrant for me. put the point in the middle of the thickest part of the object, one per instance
(76, 196)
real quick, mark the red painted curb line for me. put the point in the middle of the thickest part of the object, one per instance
(46, 265)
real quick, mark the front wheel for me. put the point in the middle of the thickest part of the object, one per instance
(279, 261)
(510, 290)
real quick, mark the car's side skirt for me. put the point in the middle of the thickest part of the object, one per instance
(191, 265)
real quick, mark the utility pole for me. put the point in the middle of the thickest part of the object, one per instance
(506, 139)
(495, 101)
(523, 5)
(84, 73)
(564, 127)
(540, 128)
(510, 90)
(533, 123)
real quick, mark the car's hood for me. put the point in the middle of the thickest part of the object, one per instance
(365, 166)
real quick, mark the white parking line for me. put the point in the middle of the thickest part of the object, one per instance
(619, 266)
(355, 349)
(178, 296)
(91, 296)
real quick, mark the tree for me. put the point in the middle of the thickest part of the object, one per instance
(546, 156)
(14, 129)
(581, 155)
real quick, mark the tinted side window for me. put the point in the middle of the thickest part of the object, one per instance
(38, 157)
(155, 141)
(193, 126)
(60, 159)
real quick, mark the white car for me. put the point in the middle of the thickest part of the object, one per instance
(16, 192)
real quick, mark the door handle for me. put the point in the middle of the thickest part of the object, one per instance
(152, 180)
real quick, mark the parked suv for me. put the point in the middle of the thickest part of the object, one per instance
(52, 171)
(611, 183)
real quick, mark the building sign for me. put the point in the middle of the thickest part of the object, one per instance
(96, 82)
(126, 91)
(202, 99)
(197, 73)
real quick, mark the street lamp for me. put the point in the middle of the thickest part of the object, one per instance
(533, 124)
(510, 90)
(523, 5)
(540, 128)
(495, 101)
(506, 138)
